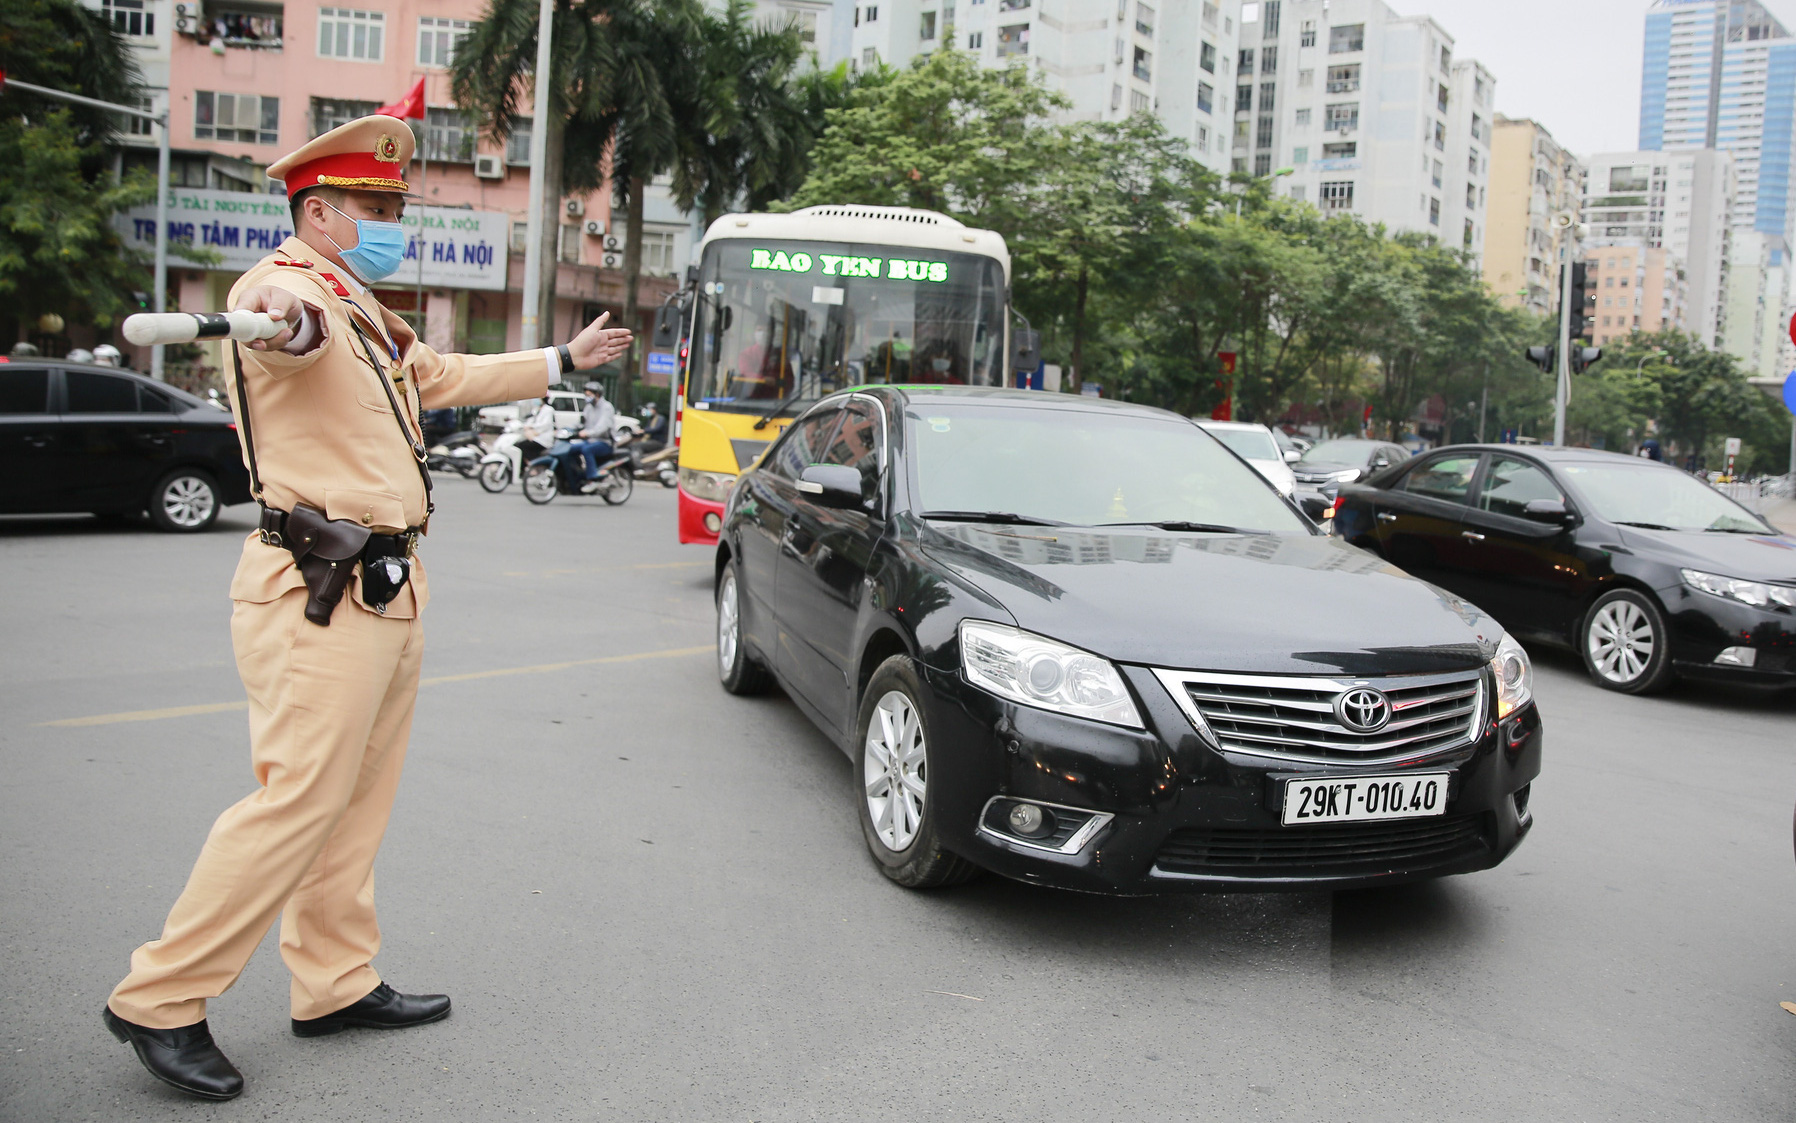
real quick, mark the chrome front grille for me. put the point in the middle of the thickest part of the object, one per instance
(1294, 716)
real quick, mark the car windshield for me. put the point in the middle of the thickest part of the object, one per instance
(1250, 444)
(1654, 496)
(779, 320)
(1339, 452)
(1083, 467)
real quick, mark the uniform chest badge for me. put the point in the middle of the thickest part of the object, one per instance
(386, 149)
(334, 283)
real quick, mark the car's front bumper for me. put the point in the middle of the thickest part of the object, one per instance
(1187, 816)
(1707, 628)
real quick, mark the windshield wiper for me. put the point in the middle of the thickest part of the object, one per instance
(1180, 524)
(1735, 530)
(990, 517)
(1647, 526)
(779, 408)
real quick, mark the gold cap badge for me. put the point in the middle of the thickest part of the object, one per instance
(386, 149)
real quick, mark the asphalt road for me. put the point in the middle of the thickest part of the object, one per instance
(650, 900)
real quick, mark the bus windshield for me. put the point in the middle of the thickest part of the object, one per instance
(800, 319)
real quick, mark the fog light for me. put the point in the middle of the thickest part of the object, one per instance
(1521, 802)
(1738, 656)
(712, 522)
(1030, 821)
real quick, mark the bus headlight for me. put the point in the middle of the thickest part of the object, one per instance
(1514, 675)
(713, 487)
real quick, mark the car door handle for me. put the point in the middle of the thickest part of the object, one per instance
(38, 442)
(1386, 517)
(1471, 536)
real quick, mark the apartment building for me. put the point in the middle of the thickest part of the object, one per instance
(1722, 74)
(1111, 58)
(1679, 201)
(1532, 179)
(249, 80)
(1637, 287)
(1372, 113)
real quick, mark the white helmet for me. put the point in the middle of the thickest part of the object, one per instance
(80, 355)
(108, 356)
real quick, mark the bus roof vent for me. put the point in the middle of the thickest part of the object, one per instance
(886, 214)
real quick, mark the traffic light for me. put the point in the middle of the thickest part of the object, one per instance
(1582, 297)
(143, 300)
(1543, 357)
(1583, 358)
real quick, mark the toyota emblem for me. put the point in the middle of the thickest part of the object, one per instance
(1363, 710)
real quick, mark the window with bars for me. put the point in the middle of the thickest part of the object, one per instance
(1440, 136)
(1138, 102)
(1243, 98)
(517, 142)
(1344, 150)
(1302, 119)
(1337, 196)
(926, 29)
(439, 39)
(658, 251)
(1013, 40)
(1244, 64)
(448, 136)
(1268, 60)
(1206, 97)
(1344, 115)
(1262, 164)
(129, 17)
(138, 126)
(1268, 92)
(1269, 19)
(975, 41)
(351, 33)
(1144, 20)
(1206, 57)
(244, 118)
(1346, 39)
(1306, 35)
(328, 113)
(1203, 139)
(1144, 65)
(1440, 98)
(1343, 79)
(1263, 133)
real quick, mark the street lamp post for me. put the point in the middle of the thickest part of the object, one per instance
(162, 161)
(531, 333)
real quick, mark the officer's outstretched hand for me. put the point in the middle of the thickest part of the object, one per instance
(280, 304)
(598, 344)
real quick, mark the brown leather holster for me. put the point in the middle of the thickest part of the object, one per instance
(327, 551)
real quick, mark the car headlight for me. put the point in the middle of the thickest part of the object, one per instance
(1756, 593)
(1346, 477)
(1037, 671)
(713, 487)
(1514, 675)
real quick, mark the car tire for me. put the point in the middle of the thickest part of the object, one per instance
(891, 788)
(184, 502)
(1625, 644)
(737, 669)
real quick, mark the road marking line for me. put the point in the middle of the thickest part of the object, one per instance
(498, 672)
(601, 569)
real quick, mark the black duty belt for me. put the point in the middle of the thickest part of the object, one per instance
(273, 532)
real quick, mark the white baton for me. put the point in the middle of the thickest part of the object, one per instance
(147, 328)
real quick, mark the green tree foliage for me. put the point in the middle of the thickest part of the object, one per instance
(58, 249)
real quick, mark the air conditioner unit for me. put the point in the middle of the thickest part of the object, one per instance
(611, 245)
(187, 18)
(611, 261)
(575, 208)
(489, 167)
(595, 228)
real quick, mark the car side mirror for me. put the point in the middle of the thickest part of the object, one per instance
(1547, 511)
(1292, 456)
(1025, 350)
(831, 485)
(1380, 464)
(1314, 506)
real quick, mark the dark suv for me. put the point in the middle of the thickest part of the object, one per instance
(75, 437)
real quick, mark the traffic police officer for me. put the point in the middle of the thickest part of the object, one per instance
(327, 415)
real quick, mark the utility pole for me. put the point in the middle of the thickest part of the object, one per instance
(531, 333)
(162, 162)
(1563, 391)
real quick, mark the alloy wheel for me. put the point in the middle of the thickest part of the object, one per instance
(188, 502)
(1620, 641)
(894, 771)
(729, 625)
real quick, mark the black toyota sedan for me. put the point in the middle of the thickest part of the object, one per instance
(1082, 643)
(1648, 572)
(75, 437)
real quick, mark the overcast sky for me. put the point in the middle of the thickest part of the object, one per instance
(1572, 65)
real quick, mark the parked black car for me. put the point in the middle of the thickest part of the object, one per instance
(1648, 572)
(1081, 643)
(1327, 465)
(75, 437)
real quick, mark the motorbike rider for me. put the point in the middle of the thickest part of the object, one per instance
(598, 424)
(654, 428)
(538, 433)
(107, 355)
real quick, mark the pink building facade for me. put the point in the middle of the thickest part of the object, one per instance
(249, 80)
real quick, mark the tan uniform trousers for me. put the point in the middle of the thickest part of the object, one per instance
(330, 710)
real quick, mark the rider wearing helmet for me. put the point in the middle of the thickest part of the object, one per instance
(107, 355)
(598, 422)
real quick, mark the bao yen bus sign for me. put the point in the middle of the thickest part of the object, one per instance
(461, 249)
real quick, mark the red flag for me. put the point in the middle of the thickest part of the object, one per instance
(408, 108)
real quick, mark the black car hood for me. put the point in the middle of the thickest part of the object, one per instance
(1295, 604)
(1753, 557)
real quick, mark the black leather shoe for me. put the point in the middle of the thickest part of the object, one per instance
(184, 1058)
(384, 1008)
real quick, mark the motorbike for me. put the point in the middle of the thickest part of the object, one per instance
(661, 464)
(458, 452)
(562, 471)
(503, 461)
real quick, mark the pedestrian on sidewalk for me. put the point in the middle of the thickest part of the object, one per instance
(328, 415)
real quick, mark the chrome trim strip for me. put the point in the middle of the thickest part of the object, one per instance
(1098, 821)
